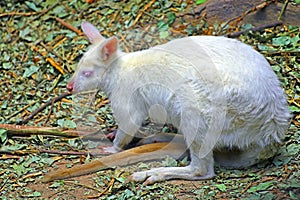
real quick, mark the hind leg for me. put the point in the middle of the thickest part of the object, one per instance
(200, 141)
(237, 158)
(199, 168)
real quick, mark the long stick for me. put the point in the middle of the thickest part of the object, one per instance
(69, 26)
(44, 106)
(19, 130)
(32, 130)
(258, 28)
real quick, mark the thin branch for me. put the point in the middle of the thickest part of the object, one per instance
(19, 14)
(258, 28)
(21, 110)
(51, 51)
(32, 130)
(76, 153)
(44, 106)
(141, 12)
(110, 184)
(283, 9)
(241, 17)
(93, 152)
(28, 13)
(69, 26)
(18, 130)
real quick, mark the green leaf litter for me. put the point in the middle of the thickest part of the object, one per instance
(28, 80)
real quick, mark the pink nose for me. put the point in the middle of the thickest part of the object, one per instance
(70, 86)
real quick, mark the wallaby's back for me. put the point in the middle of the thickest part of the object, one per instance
(207, 71)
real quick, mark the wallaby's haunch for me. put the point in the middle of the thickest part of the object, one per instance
(221, 94)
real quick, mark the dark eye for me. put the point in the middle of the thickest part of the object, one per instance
(87, 73)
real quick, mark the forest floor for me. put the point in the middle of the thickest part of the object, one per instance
(39, 51)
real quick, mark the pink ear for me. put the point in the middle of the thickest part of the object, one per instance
(109, 48)
(91, 32)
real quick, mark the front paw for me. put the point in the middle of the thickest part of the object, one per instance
(111, 135)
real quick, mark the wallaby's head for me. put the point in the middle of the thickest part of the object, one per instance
(94, 62)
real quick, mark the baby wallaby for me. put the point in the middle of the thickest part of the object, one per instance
(221, 94)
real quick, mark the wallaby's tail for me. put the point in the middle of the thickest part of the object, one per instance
(146, 152)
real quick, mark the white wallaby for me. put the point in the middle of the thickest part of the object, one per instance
(221, 94)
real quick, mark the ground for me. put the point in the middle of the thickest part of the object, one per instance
(39, 52)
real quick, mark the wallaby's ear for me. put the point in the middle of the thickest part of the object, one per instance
(91, 32)
(110, 47)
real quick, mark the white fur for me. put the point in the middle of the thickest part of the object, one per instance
(219, 92)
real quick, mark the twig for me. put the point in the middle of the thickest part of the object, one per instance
(38, 151)
(258, 28)
(19, 14)
(56, 65)
(16, 153)
(3, 172)
(195, 12)
(49, 114)
(55, 82)
(54, 131)
(141, 12)
(44, 106)
(62, 40)
(50, 50)
(38, 15)
(21, 110)
(8, 156)
(255, 8)
(113, 18)
(48, 59)
(283, 51)
(283, 9)
(76, 153)
(256, 183)
(31, 175)
(126, 44)
(28, 13)
(32, 130)
(4, 183)
(83, 185)
(110, 184)
(66, 62)
(247, 187)
(69, 26)
(26, 176)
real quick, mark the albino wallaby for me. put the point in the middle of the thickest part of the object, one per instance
(221, 94)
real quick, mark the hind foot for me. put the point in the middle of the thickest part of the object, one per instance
(167, 173)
